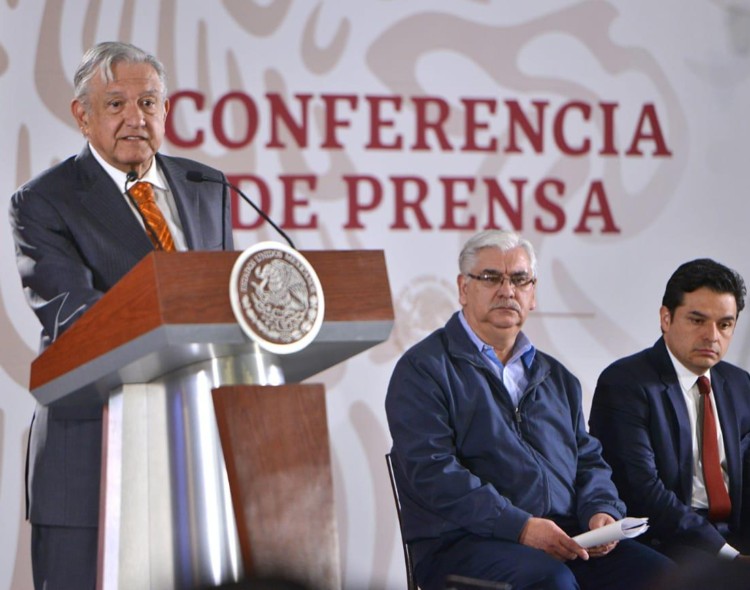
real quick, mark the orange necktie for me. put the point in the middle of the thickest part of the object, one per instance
(719, 504)
(156, 225)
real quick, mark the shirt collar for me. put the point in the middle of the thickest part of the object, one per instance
(522, 348)
(153, 174)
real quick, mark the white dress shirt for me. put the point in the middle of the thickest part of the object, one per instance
(688, 383)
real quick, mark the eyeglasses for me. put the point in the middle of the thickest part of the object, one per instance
(491, 279)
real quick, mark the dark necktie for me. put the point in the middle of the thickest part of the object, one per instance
(156, 225)
(719, 504)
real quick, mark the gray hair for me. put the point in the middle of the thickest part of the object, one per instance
(101, 58)
(494, 238)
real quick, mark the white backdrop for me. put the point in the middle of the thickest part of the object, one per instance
(611, 133)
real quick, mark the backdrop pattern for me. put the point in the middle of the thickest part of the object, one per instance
(611, 133)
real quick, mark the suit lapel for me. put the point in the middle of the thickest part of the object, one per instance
(186, 196)
(730, 431)
(99, 195)
(676, 400)
(104, 200)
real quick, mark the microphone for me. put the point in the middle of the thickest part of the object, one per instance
(132, 176)
(198, 176)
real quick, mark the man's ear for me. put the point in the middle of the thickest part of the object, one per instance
(80, 115)
(461, 282)
(665, 318)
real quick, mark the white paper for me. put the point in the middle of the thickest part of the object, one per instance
(627, 528)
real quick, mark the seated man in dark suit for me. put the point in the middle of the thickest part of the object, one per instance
(495, 470)
(78, 228)
(674, 419)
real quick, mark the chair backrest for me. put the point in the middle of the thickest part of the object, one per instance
(452, 582)
(410, 582)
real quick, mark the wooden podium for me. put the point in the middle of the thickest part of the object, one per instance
(216, 463)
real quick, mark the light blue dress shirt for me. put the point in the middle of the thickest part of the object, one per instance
(513, 373)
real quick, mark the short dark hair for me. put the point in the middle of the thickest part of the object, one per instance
(703, 272)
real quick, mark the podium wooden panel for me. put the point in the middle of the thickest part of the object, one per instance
(153, 349)
(279, 467)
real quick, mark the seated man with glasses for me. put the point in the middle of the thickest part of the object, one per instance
(494, 467)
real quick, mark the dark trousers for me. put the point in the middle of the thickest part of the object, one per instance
(63, 558)
(631, 566)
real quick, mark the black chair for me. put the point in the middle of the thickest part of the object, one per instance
(410, 583)
(451, 582)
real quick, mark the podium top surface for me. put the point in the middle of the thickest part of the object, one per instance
(173, 309)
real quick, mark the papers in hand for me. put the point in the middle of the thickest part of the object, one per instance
(627, 528)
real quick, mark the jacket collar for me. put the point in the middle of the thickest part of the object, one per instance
(460, 346)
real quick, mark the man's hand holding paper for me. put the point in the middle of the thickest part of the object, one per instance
(596, 522)
(627, 528)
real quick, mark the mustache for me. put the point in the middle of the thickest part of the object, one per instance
(505, 303)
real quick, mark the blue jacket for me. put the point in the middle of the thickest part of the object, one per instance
(465, 458)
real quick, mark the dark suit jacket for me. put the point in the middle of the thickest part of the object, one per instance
(75, 238)
(640, 416)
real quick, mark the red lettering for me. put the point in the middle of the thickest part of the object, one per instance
(559, 129)
(648, 119)
(279, 111)
(378, 123)
(402, 202)
(422, 106)
(473, 126)
(495, 194)
(250, 112)
(333, 122)
(576, 127)
(608, 129)
(518, 118)
(263, 193)
(545, 203)
(291, 202)
(170, 131)
(352, 191)
(597, 195)
(452, 203)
